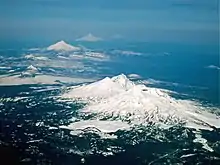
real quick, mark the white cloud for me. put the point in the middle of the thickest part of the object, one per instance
(40, 79)
(90, 55)
(36, 57)
(127, 53)
(117, 36)
(151, 81)
(34, 49)
(213, 67)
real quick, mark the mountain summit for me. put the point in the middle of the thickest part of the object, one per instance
(63, 46)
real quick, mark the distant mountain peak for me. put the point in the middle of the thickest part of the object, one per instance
(89, 38)
(62, 46)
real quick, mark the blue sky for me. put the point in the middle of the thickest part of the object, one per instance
(137, 20)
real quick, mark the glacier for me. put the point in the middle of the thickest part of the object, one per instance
(119, 98)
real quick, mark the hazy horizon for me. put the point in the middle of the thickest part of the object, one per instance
(144, 20)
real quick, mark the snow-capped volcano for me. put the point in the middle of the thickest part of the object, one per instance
(119, 98)
(89, 38)
(63, 46)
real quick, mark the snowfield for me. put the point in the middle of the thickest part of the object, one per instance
(120, 98)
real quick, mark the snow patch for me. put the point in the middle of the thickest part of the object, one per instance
(186, 156)
(202, 141)
(52, 128)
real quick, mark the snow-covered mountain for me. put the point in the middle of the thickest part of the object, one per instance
(63, 46)
(89, 38)
(121, 99)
